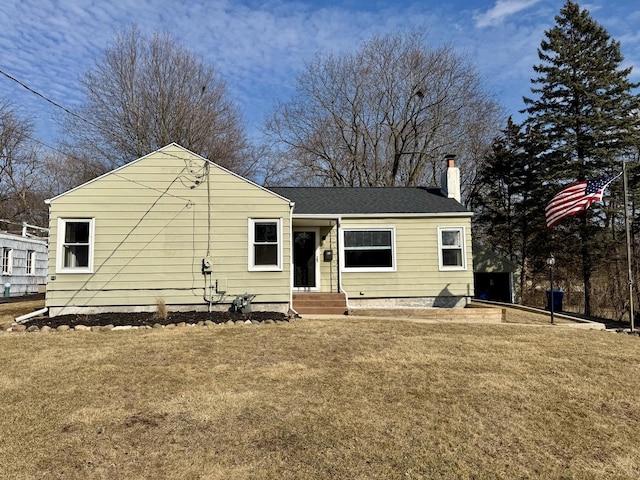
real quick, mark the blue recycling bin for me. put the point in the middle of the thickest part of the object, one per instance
(482, 293)
(557, 296)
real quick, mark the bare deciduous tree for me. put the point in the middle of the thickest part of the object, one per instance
(145, 93)
(21, 174)
(384, 116)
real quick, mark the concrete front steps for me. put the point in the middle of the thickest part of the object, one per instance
(319, 303)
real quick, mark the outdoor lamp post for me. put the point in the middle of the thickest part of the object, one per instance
(551, 261)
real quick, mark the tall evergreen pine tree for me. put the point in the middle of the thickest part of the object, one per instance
(586, 115)
(507, 209)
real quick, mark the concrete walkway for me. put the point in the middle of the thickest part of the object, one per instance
(576, 318)
(575, 323)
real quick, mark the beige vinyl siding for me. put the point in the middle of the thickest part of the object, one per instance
(329, 270)
(417, 272)
(151, 235)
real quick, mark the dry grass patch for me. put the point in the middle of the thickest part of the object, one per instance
(9, 311)
(343, 398)
(516, 315)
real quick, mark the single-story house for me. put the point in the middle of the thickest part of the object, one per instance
(23, 264)
(176, 228)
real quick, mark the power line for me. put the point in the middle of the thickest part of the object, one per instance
(27, 87)
(56, 104)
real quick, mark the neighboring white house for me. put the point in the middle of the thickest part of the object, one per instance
(23, 263)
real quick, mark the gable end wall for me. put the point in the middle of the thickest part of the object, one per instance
(153, 228)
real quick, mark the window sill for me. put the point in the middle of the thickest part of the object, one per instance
(452, 269)
(265, 269)
(368, 269)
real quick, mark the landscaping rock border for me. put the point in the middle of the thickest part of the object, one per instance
(135, 321)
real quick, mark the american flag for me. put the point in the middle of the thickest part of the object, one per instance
(576, 198)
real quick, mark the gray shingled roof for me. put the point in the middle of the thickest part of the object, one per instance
(367, 200)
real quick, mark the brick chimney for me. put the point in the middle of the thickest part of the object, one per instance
(450, 183)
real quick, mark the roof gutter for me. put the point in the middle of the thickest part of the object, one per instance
(320, 216)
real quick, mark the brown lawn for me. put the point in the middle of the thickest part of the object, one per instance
(346, 398)
(8, 311)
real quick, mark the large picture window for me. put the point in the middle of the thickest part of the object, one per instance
(368, 249)
(75, 245)
(265, 244)
(451, 248)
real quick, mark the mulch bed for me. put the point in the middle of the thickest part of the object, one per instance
(148, 319)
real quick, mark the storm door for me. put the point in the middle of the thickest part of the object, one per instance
(304, 259)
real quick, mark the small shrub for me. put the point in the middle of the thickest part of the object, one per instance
(161, 308)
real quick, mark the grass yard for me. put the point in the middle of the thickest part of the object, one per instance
(11, 310)
(348, 398)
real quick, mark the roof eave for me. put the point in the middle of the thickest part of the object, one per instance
(316, 216)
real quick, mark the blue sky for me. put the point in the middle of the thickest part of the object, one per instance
(259, 46)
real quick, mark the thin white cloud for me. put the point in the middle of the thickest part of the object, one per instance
(501, 10)
(259, 47)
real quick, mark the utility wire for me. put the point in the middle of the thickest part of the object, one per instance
(27, 87)
(56, 104)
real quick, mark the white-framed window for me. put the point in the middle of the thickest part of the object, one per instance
(265, 244)
(31, 262)
(451, 248)
(368, 249)
(7, 260)
(75, 245)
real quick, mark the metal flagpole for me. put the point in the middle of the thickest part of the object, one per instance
(628, 233)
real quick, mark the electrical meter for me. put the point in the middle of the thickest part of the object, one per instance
(207, 265)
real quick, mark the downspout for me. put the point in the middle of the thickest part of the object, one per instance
(340, 288)
(27, 316)
(291, 207)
